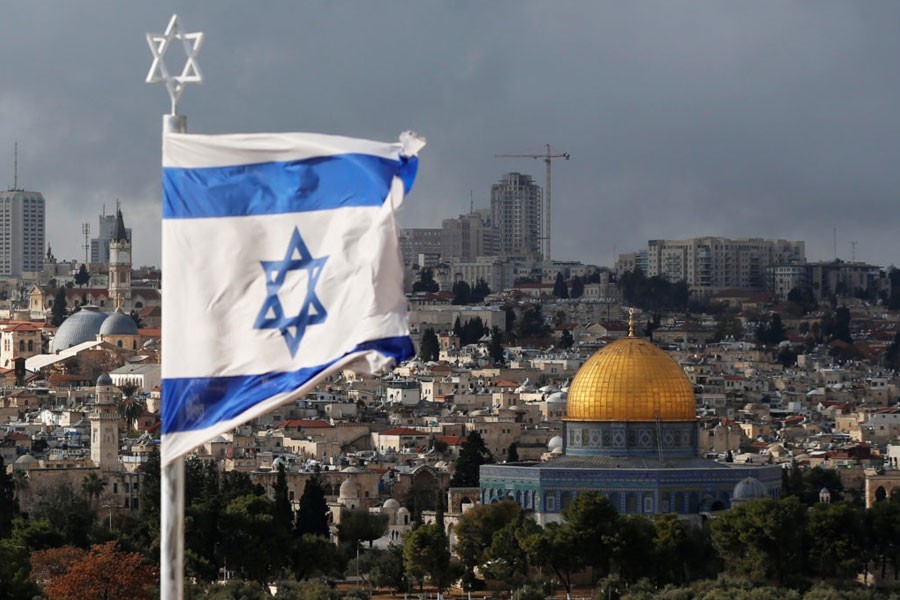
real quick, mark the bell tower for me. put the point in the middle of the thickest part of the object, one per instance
(105, 426)
(120, 266)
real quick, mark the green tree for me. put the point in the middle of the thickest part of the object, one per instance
(426, 282)
(283, 514)
(595, 525)
(551, 548)
(14, 572)
(426, 554)
(82, 277)
(253, 542)
(472, 454)
(632, 544)
(429, 349)
(762, 539)
(462, 292)
(495, 348)
(388, 570)
(480, 292)
(361, 526)
(512, 454)
(314, 554)
(476, 528)
(58, 310)
(577, 290)
(837, 534)
(882, 535)
(68, 512)
(560, 290)
(92, 485)
(506, 558)
(532, 323)
(566, 340)
(9, 506)
(892, 354)
(312, 516)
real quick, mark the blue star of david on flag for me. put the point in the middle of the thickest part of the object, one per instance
(272, 314)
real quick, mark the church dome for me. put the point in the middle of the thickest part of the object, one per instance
(631, 380)
(80, 327)
(118, 323)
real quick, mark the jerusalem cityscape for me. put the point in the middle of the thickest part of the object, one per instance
(625, 343)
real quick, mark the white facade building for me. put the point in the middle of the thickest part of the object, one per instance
(21, 232)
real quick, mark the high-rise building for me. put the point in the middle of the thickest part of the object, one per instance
(516, 213)
(21, 232)
(100, 244)
(467, 237)
(711, 264)
(420, 246)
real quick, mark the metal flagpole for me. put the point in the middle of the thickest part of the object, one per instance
(171, 579)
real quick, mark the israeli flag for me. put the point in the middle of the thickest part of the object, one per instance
(281, 267)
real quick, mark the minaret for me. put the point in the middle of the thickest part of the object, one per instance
(105, 426)
(120, 266)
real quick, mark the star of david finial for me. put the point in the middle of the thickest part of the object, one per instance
(158, 72)
(272, 314)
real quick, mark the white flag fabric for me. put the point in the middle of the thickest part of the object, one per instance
(280, 266)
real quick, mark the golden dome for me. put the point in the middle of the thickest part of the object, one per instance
(631, 380)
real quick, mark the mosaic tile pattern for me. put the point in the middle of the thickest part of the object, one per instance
(631, 380)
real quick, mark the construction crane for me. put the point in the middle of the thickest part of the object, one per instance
(548, 159)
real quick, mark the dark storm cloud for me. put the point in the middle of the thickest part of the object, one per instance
(768, 119)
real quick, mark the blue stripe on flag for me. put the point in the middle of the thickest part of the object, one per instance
(197, 403)
(319, 183)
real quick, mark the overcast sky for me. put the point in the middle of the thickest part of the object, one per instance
(741, 119)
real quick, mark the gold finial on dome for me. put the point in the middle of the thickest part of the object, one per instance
(631, 322)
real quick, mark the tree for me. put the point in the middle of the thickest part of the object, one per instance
(631, 544)
(462, 292)
(388, 570)
(48, 564)
(253, 541)
(551, 547)
(566, 340)
(771, 333)
(426, 282)
(762, 539)
(312, 516)
(68, 512)
(105, 572)
(82, 277)
(92, 485)
(506, 559)
(476, 528)
(838, 546)
(577, 290)
(9, 506)
(314, 554)
(512, 454)
(594, 522)
(360, 525)
(426, 553)
(14, 572)
(58, 310)
(892, 354)
(495, 347)
(131, 409)
(472, 454)
(559, 287)
(283, 514)
(532, 324)
(481, 291)
(882, 535)
(429, 349)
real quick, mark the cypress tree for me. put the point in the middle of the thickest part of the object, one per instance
(312, 517)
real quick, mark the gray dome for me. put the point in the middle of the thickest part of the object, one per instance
(118, 323)
(104, 379)
(749, 488)
(554, 443)
(81, 327)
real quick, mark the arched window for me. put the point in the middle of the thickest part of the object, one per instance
(119, 343)
(21, 345)
(880, 494)
(31, 345)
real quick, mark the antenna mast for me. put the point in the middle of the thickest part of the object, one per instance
(86, 230)
(16, 165)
